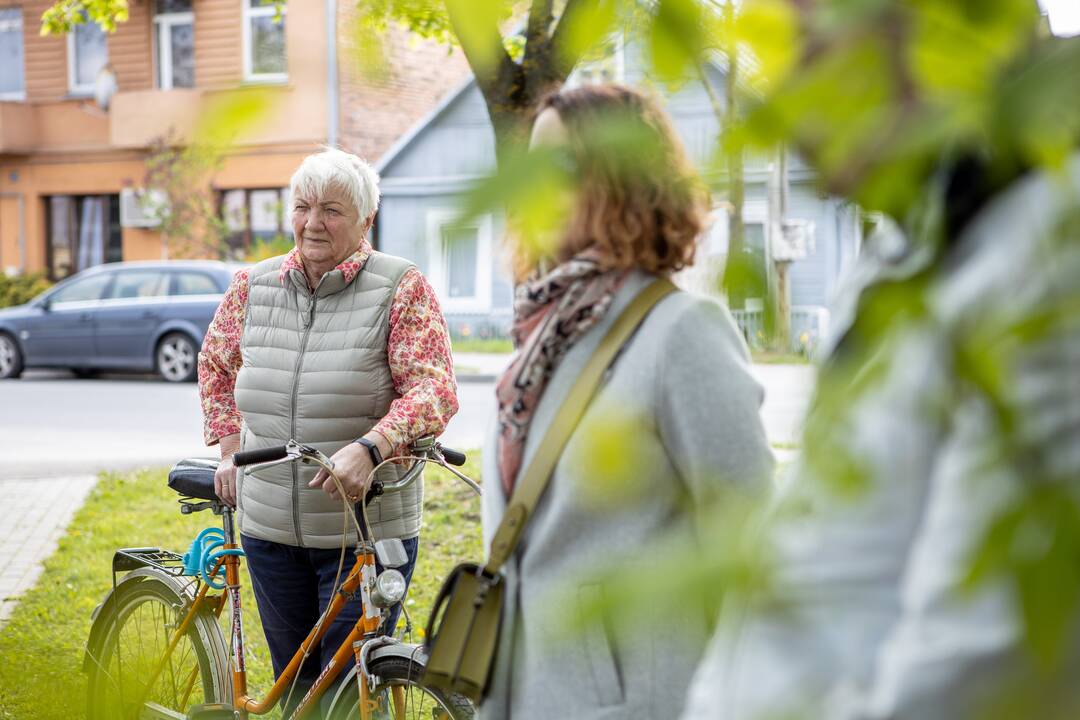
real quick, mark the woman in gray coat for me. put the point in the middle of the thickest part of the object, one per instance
(677, 413)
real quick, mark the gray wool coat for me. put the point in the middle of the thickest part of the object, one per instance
(870, 617)
(681, 397)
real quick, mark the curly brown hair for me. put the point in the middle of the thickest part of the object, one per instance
(639, 201)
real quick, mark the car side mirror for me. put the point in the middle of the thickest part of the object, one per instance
(45, 304)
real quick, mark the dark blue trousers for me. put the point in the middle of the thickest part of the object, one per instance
(292, 588)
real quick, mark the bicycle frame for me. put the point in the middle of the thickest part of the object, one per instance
(357, 583)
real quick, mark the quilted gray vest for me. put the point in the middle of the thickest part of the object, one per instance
(315, 369)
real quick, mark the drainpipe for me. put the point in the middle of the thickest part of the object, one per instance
(22, 226)
(331, 74)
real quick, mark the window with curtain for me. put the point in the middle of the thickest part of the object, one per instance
(255, 214)
(174, 33)
(264, 41)
(83, 231)
(88, 53)
(460, 247)
(12, 77)
(460, 261)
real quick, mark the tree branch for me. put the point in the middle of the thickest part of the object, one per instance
(489, 74)
(540, 18)
(563, 59)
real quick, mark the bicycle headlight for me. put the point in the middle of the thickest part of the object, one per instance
(389, 589)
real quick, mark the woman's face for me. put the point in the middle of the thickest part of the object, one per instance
(325, 228)
(548, 130)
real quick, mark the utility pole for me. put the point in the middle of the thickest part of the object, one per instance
(737, 272)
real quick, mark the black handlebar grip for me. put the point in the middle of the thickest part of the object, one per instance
(251, 457)
(454, 457)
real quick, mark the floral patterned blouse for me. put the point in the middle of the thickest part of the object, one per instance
(418, 350)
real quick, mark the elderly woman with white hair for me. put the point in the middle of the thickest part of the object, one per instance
(338, 346)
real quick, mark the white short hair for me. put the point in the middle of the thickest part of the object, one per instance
(345, 170)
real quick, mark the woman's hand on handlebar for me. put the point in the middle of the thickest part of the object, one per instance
(353, 466)
(225, 475)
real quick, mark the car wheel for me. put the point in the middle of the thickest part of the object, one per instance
(11, 359)
(176, 357)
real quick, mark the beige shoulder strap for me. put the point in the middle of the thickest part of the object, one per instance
(530, 486)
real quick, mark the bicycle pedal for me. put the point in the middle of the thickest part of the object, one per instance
(211, 711)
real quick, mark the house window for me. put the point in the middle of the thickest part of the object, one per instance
(459, 259)
(264, 41)
(251, 215)
(12, 83)
(174, 33)
(88, 53)
(606, 65)
(83, 231)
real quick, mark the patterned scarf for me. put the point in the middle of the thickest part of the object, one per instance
(550, 314)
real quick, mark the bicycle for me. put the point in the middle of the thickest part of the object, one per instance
(156, 649)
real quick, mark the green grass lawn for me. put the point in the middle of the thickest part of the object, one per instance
(41, 647)
(482, 345)
(769, 357)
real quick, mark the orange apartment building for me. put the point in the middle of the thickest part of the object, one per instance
(67, 167)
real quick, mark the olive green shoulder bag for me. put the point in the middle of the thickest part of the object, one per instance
(463, 630)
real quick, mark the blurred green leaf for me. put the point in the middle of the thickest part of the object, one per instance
(676, 38)
(228, 115)
(64, 15)
(477, 29)
(769, 29)
(1035, 545)
(589, 25)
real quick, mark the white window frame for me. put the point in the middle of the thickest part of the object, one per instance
(19, 94)
(73, 88)
(437, 270)
(254, 12)
(163, 23)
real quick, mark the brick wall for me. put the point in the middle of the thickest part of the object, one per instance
(375, 112)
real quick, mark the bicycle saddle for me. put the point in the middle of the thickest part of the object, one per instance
(194, 478)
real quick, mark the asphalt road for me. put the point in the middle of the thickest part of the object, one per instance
(53, 424)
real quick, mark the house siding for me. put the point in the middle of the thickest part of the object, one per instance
(218, 46)
(131, 52)
(44, 57)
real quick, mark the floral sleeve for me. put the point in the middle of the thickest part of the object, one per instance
(421, 365)
(220, 361)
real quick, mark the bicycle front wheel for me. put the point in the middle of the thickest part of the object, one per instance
(400, 693)
(129, 675)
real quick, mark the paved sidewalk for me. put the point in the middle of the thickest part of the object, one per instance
(34, 516)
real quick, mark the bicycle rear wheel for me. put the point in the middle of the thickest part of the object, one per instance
(128, 640)
(416, 701)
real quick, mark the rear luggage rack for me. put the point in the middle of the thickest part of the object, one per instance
(135, 558)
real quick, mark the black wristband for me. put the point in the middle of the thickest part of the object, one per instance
(373, 451)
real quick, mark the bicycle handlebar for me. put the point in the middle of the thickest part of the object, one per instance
(252, 457)
(452, 456)
(425, 447)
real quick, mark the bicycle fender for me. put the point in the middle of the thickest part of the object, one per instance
(135, 576)
(347, 682)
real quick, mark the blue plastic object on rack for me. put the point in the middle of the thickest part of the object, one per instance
(203, 555)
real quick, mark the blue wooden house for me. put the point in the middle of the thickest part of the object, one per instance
(425, 175)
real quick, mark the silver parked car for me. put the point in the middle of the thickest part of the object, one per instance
(146, 316)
